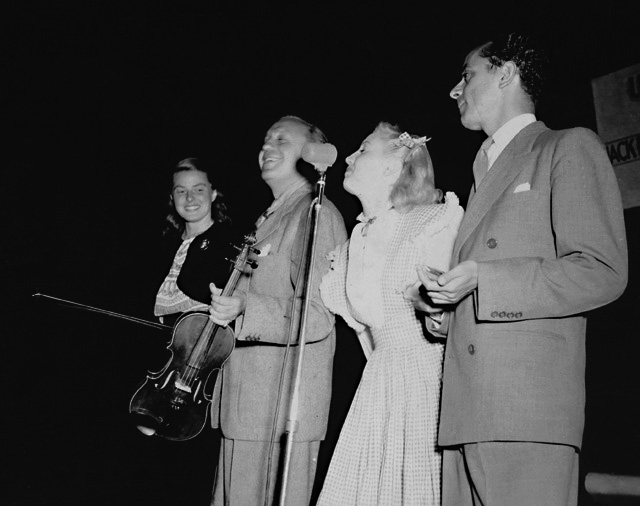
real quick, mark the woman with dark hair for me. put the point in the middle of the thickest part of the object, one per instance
(197, 237)
(386, 453)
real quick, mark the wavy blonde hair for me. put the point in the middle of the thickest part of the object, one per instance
(416, 184)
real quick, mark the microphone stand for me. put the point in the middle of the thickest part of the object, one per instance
(292, 420)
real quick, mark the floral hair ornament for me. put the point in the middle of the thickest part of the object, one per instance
(410, 142)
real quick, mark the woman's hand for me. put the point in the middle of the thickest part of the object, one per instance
(412, 293)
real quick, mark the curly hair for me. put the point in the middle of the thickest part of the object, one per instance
(174, 222)
(527, 53)
(416, 183)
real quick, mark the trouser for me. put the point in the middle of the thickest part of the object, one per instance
(510, 474)
(241, 475)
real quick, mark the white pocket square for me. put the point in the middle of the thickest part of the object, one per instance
(524, 187)
(264, 250)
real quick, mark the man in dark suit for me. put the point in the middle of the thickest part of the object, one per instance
(542, 242)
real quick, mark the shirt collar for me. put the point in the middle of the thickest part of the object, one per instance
(300, 183)
(510, 129)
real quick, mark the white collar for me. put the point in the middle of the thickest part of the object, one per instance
(505, 134)
(291, 189)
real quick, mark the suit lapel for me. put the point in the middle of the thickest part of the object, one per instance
(272, 223)
(504, 170)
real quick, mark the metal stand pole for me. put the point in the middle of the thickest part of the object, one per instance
(292, 420)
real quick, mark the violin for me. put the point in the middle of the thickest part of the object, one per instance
(172, 403)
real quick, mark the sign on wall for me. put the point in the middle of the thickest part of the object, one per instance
(617, 104)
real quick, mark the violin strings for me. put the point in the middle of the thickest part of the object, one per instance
(197, 351)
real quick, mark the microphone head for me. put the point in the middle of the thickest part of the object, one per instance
(320, 155)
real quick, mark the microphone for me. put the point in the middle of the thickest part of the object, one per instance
(320, 155)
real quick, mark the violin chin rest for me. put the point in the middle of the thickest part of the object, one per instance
(147, 431)
(146, 423)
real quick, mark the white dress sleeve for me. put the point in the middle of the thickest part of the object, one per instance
(435, 241)
(334, 295)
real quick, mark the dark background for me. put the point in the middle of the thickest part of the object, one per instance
(100, 101)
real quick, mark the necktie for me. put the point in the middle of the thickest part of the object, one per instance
(262, 218)
(481, 163)
(270, 210)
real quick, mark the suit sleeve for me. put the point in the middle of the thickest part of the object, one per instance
(274, 329)
(590, 266)
(438, 329)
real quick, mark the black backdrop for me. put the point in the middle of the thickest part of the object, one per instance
(102, 99)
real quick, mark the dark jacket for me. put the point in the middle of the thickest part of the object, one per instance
(206, 261)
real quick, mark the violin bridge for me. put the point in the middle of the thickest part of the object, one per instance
(181, 386)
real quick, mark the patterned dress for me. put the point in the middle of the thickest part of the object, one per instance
(386, 453)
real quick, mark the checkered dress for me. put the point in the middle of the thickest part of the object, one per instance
(386, 453)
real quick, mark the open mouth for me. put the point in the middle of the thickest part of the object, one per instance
(269, 161)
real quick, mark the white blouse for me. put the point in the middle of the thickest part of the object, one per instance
(368, 250)
(353, 287)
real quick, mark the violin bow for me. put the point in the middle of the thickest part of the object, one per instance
(84, 307)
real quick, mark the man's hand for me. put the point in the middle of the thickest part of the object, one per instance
(224, 310)
(453, 285)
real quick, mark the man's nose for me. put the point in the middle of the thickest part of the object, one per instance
(457, 90)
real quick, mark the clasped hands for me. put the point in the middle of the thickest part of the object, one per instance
(224, 309)
(442, 290)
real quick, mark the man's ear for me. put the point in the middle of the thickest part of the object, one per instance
(508, 73)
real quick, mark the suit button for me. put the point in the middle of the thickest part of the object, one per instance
(492, 243)
(472, 349)
(494, 314)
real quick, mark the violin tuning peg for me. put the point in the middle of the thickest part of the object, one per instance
(255, 250)
(252, 263)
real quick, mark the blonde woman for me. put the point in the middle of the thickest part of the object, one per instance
(386, 453)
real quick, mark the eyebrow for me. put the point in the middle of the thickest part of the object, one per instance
(183, 186)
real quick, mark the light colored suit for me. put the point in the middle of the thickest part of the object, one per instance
(246, 392)
(546, 228)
